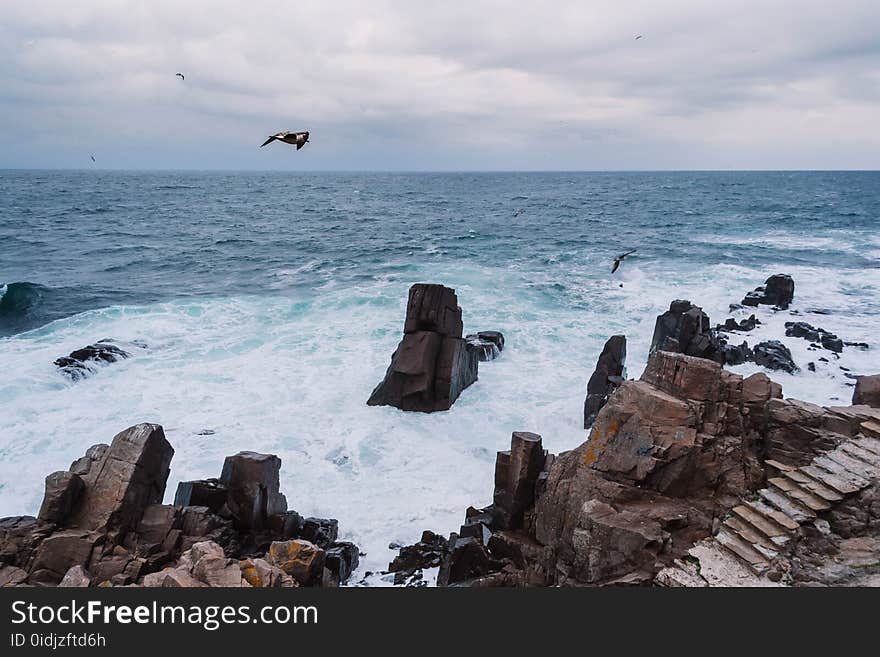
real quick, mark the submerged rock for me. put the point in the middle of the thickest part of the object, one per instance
(432, 364)
(81, 362)
(608, 375)
(730, 324)
(778, 290)
(814, 334)
(488, 345)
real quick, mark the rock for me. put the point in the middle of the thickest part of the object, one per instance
(259, 573)
(60, 552)
(94, 454)
(730, 324)
(774, 355)
(468, 559)
(814, 334)
(778, 290)
(867, 391)
(129, 476)
(203, 492)
(76, 577)
(20, 536)
(81, 361)
(737, 355)
(432, 364)
(610, 371)
(253, 489)
(320, 531)
(12, 576)
(341, 559)
(832, 342)
(684, 328)
(63, 491)
(488, 345)
(427, 553)
(516, 474)
(302, 560)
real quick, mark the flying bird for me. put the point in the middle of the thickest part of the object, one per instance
(180, 75)
(93, 158)
(517, 212)
(298, 139)
(639, 37)
(620, 259)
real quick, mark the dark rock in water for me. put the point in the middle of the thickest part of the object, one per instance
(737, 355)
(320, 531)
(487, 344)
(610, 370)
(432, 364)
(860, 345)
(252, 482)
(730, 324)
(203, 492)
(832, 342)
(777, 291)
(814, 334)
(81, 361)
(867, 391)
(684, 328)
(341, 559)
(412, 559)
(811, 366)
(774, 355)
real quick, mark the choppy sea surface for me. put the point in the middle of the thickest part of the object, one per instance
(270, 304)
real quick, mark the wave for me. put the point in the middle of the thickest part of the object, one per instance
(20, 298)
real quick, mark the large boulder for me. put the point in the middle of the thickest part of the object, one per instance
(432, 365)
(63, 491)
(867, 391)
(516, 475)
(774, 355)
(487, 344)
(778, 290)
(607, 376)
(80, 362)
(252, 482)
(684, 328)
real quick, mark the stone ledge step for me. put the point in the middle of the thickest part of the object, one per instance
(871, 429)
(751, 534)
(843, 470)
(870, 444)
(838, 483)
(851, 448)
(854, 465)
(777, 516)
(754, 559)
(778, 499)
(799, 494)
(766, 524)
(814, 486)
(720, 567)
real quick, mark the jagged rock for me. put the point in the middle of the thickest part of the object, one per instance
(80, 362)
(203, 492)
(302, 560)
(684, 328)
(94, 454)
(427, 553)
(253, 490)
(12, 576)
(778, 290)
(432, 365)
(259, 573)
(516, 473)
(737, 355)
(341, 559)
(730, 324)
(60, 552)
(488, 345)
(63, 490)
(609, 373)
(774, 355)
(320, 531)
(814, 334)
(129, 476)
(867, 391)
(467, 559)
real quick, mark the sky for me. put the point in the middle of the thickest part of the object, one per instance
(476, 85)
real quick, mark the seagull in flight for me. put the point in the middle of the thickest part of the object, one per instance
(93, 158)
(180, 75)
(517, 212)
(639, 37)
(298, 139)
(620, 259)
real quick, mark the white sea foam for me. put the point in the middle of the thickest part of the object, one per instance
(291, 375)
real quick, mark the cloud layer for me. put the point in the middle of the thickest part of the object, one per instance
(470, 85)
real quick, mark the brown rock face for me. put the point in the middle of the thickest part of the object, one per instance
(300, 559)
(251, 480)
(433, 364)
(63, 490)
(609, 374)
(867, 391)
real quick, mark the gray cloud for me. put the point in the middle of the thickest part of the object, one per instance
(482, 84)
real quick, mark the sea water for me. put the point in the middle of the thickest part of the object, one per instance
(270, 304)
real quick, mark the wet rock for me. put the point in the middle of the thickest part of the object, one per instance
(488, 345)
(427, 553)
(684, 328)
(203, 492)
(737, 354)
(778, 290)
(774, 355)
(341, 559)
(251, 480)
(867, 391)
(609, 373)
(63, 491)
(302, 560)
(81, 361)
(320, 531)
(432, 364)
(730, 324)
(814, 334)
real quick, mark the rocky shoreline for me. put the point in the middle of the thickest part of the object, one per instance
(691, 475)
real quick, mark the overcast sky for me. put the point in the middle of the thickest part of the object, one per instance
(432, 86)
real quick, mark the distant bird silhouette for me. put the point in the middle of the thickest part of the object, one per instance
(639, 37)
(180, 75)
(517, 212)
(93, 158)
(620, 259)
(298, 139)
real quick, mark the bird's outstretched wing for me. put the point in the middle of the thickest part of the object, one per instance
(300, 144)
(180, 75)
(628, 253)
(269, 140)
(616, 265)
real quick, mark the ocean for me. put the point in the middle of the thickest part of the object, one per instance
(270, 304)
